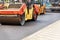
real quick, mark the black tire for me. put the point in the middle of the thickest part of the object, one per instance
(34, 17)
(52, 10)
(22, 21)
(42, 13)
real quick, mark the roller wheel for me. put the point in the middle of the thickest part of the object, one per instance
(22, 21)
(43, 12)
(34, 18)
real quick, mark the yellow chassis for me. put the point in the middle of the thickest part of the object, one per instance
(28, 16)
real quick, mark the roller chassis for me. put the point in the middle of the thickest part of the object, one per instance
(19, 15)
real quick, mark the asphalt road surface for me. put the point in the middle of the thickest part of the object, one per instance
(17, 32)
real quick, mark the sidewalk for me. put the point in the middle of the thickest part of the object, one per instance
(51, 32)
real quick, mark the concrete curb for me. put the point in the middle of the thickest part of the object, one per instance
(51, 32)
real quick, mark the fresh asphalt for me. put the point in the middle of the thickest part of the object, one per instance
(17, 32)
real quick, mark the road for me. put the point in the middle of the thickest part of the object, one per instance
(16, 32)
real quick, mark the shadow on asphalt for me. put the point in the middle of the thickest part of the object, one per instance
(27, 23)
